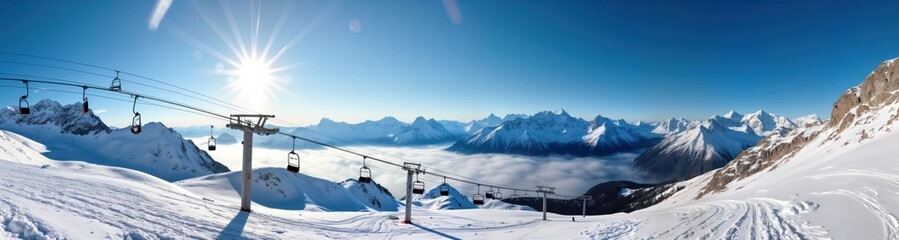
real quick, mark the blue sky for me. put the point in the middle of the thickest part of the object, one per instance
(637, 60)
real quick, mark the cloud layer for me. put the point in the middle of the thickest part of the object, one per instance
(571, 175)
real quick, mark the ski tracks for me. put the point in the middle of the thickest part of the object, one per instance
(759, 218)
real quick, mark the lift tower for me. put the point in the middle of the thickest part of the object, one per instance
(411, 168)
(545, 191)
(246, 123)
(586, 199)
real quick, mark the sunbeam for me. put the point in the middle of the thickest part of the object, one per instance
(251, 69)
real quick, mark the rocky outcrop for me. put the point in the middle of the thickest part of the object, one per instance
(854, 107)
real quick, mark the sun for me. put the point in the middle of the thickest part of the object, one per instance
(254, 77)
(253, 80)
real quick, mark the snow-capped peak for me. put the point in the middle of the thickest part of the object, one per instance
(812, 119)
(69, 117)
(734, 115)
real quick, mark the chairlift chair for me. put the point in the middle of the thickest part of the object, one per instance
(135, 122)
(490, 194)
(84, 105)
(418, 187)
(478, 198)
(364, 172)
(514, 194)
(211, 140)
(116, 84)
(211, 144)
(293, 162)
(293, 159)
(444, 189)
(498, 195)
(24, 107)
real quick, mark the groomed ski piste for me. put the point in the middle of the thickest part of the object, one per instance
(843, 188)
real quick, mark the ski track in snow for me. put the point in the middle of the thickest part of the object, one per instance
(759, 218)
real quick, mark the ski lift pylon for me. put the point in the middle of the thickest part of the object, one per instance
(211, 141)
(364, 172)
(135, 122)
(293, 159)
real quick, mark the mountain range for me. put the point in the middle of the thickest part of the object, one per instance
(672, 149)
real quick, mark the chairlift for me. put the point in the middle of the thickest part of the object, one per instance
(24, 107)
(444, 189)
(514, 194)
(135, 122)
(498, 194)
(526, 194)
(116, 84)
(364, 172)
(84, 106)
(293, 159)
(211, 139)
(418, 187)
(490, 194)
(478, 198)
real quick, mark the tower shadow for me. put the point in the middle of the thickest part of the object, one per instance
(235, 228)
(444, 235)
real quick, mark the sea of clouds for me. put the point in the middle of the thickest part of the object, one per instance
(570, 175)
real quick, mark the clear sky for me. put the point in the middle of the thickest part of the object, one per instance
(354, 60)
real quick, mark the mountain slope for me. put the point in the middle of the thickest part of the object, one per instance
(279, 189)
(708, 145)
(431, 199)
(68, 134)
(423, 131)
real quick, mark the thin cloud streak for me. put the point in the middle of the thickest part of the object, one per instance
(162, 6)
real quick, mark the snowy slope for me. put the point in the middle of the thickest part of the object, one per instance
(431, 199)
(279, 189)
(158, 150)
(837, 179)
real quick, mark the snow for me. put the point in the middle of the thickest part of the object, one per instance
(557, 132)
(279, 189)
(812, 119)
(829, 189)
(158, 150)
